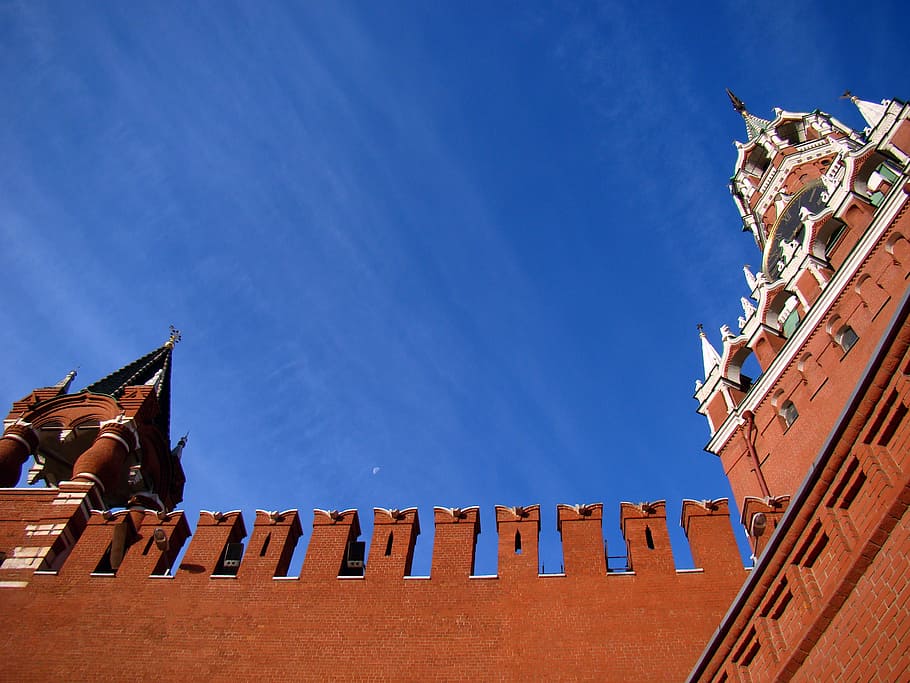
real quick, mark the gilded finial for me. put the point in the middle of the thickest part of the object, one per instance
(174, 339)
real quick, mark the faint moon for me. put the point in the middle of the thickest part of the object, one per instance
(375, 470)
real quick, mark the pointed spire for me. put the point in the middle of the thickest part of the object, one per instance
(870, 111)
(710, 357)
(754, 124)
(152, 369)
(750, 278)
(177, 451)
(64, 384)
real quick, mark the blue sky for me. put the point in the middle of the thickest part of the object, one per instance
(421, 253)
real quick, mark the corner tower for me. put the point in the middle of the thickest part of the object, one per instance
(827, 208)
(113, 436)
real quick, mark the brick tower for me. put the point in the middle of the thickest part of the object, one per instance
(807, 401)
(104, 447)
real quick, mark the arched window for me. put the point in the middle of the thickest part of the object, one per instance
(518, 543)
(789, 413)
(846, 337)
(743, 369)
(792, 132)
(880, 181)
(875, 178)
(758, 161)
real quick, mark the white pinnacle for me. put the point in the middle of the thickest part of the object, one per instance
(709, 355)
(750, 278)
(872, 112)
(748, 307)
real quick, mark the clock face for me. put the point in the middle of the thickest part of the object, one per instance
(789, 226)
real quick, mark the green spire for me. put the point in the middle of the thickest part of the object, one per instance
(754, 124)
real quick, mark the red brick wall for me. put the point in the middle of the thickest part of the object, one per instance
(830, 597)
(586, 624)
(871, 632)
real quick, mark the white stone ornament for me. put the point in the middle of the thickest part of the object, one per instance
(748, 308)
(750, 278)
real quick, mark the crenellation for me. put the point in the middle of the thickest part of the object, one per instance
(205, 554)
(159, 539)
(395, 534)
(519, 533)
(332, 532)
(760, 517)
(711, 540)
(150, 541)
(455, 542)
(94, 550)
(271, 545)
(583, 547)
(644, 526)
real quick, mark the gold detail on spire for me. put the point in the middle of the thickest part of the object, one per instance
(174, 339)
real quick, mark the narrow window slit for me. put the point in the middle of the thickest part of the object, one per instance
(104, 566)
(265, 545)
(388, 544)
(649, 538)
(517, 543)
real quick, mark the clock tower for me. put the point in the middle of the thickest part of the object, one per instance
(827, 208)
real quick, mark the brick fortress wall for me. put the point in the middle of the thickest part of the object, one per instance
(85, 621)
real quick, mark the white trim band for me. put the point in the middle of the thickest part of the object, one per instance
(18, 438)
(117, 437)
(91, 477)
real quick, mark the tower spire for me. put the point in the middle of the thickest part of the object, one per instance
(754, 124)
(870, 111)
(709, 355)
(64, 384)
(152, 369)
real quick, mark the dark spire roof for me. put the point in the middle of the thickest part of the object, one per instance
(153, 369)
(63, 385)
(754, 124)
